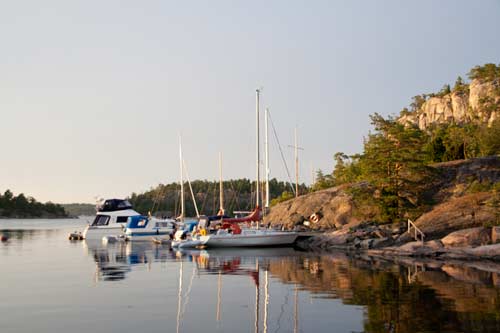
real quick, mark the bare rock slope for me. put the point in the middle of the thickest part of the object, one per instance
(466, 195)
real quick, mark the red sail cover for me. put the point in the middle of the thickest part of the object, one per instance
(253, 217)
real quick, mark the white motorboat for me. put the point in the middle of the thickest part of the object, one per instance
(143, 228)
(111, 218)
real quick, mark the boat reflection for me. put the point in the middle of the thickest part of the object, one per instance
(239, 262)
(404, 296)
(396, 296)
(115, 260)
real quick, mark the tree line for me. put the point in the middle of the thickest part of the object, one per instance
(21, 206)
(239, 195)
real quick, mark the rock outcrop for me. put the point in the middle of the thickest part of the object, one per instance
(468, 211)
(468, 237)
(495, 235)
(333, 207)
(456, 207)
(456, 107)
(456, 177)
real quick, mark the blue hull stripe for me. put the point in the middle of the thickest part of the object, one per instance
(153, 233)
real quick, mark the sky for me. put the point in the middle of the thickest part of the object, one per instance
(94, 94)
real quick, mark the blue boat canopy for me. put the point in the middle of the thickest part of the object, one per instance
(137, 222)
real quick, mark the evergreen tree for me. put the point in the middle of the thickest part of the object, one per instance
(393, 161)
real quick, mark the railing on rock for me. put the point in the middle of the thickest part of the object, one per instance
(417, 233)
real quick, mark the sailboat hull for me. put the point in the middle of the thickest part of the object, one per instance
(250, 239)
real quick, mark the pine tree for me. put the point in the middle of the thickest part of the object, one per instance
(394, 162)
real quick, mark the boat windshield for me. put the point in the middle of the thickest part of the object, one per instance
(113, 205)
(101, 220)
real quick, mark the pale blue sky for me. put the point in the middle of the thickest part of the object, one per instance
(93, 94)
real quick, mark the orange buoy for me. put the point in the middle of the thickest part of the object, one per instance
(315, 217)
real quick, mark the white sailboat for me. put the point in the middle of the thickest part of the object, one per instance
(182, 237)
(234, 236)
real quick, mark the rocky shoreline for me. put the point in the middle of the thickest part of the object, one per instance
(478, 243)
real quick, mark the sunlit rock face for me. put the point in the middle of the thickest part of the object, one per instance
(457, 107)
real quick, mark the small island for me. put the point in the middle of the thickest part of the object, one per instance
(20, 206)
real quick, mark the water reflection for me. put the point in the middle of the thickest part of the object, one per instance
(114, 261)
(265, 290)
(21, 235)
(407, 296)
(404, 297)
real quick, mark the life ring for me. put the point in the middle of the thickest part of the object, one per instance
(314, 218)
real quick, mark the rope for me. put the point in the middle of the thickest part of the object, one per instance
(281, 152)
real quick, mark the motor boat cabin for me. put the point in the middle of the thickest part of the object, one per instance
(111, 218)
(144, 228)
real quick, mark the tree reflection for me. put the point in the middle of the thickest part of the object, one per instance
(431, 301)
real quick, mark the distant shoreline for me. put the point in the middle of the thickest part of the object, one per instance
(38, 217)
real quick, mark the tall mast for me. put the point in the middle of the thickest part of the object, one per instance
(296, 165)
(221, 189)
(191, 189)
(257, 190)
(183, 213)
(266, 144)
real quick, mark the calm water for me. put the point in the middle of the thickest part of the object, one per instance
(49, 284)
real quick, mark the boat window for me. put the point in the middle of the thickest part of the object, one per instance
(163, 225)
(101, 220)
(122, 219)
(124, 204)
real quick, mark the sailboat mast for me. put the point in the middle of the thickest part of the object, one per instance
(191, 190)
(296, 165)
(266, 145)
(221, 189)
(183, 212)
(257, 190)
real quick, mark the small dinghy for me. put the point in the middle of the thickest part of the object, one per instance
(113, 239)
(187, 243)
(183, 239)
(76, 235)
